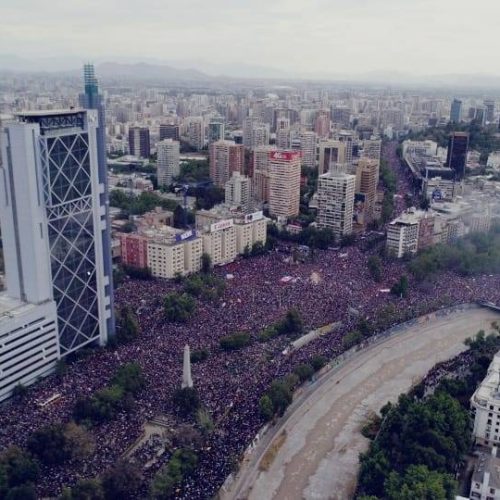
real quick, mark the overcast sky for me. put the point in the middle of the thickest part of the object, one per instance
(304, 36)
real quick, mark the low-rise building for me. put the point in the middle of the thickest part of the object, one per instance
(485, 481)
(485, 406)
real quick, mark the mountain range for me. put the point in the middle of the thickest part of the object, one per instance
(200, 70)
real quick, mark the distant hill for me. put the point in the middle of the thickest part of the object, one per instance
(148, 71)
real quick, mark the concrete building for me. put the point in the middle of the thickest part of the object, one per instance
(52, 233)
(29, 342)
(215, 131)
(283, 133)
(456, 111)
(220, 242)
(260, 177)
(196, 132)
(238, 192)
(134, 250)
(139, 142)
(226, 157)
(322, 124)
(336, 201)
(402, 234)
(372, 149)
(169, 131)
(485, 480)
(456, 159)
(308, 148)
(366, 183)
(168, 165)
(341, 115)
(330, 153)
(284, 183)
(485, 406)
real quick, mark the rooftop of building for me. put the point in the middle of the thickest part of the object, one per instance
(50, 112)
(489, 389)
(487, 463)
(11, 307)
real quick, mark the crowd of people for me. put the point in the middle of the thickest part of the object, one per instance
(335, 286)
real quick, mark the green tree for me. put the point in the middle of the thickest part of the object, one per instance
(23, 492)
(179, 307)
(419, 483)
(206, 263)
(129, 377)
(84, 489)
(266, 407)
(48, 444)
(186, 400)
(351, 339)
(18, 467)
(235, 341)
(121, 481)
(304, 371)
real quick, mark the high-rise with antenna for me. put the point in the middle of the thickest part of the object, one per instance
(92, 99)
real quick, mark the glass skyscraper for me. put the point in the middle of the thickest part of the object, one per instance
(58, 152)
(92, 99)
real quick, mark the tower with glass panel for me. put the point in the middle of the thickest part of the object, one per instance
(92, 99)
(58, 151)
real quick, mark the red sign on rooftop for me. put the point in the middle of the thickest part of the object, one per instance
(284, 155)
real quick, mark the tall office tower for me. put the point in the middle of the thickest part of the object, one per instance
(480, 117)
(372, 148)
(322, 124)
(260, 135)
(238, 192)
(347, 138)
(336, 201)
(215, 131)
(138, 142)
(366, 184)
(456, 111)
(456, 159)
(260, 177)
(308, 147)
(489, 105)
(226, 157)
(169, 131)
(284, 183)
(53, 219)
(248, 124)
(283, 133)
(341, 115)
(196, 132)
(330, 153)
(168, 161)
(92, 99)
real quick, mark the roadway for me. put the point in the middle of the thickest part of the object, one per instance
(319, 456)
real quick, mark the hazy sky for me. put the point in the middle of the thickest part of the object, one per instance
(303, 36)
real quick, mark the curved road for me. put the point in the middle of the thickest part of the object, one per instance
(319, 456)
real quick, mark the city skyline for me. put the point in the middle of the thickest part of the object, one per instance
(327, 39)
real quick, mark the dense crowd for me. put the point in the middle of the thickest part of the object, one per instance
(229, 383)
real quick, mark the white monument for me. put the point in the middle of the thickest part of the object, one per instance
(187, 381)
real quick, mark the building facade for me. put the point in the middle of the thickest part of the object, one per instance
(53, 222)
(226, 157)
(456, 159)
(139, 142)
(336, 201)
(284, 183)
(168, 165)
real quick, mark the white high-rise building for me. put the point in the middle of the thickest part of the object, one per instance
(52, 218)
(336, 201)
(168, 161)
(196, 132)
(284, 183)
(238, 192)
(283, 133)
